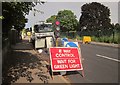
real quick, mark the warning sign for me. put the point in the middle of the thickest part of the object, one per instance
(65, 59)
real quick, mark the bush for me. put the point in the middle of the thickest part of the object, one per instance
(78, 37)
(116, 38)
(93, 38)
(107, 39)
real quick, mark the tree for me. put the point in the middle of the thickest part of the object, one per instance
(67, 20)
(14, 14)
(117, 27)
(52, 19)
(95, 17)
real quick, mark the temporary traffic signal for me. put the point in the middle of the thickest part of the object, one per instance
(57, 22)
(57, 29)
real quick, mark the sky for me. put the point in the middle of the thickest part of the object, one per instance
(51, 7)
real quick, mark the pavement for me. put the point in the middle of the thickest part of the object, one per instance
(106, 44)
(24, 55)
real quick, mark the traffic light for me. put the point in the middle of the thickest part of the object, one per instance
(57, 23)
(57, 29)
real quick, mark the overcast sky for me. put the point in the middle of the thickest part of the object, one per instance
(51, 8)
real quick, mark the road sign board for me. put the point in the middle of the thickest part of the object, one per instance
(71, 44)
(64, 40)
(65, 59)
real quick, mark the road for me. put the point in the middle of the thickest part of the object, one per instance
(100, 65)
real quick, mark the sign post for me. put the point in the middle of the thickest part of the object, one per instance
(65, 59)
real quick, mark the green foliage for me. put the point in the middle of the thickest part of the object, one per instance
(117, 27)
(116, 38)
(78, 37)
(67, 19)
(93, 38)
(95, 17)
(107, 39)
(14, 15)
(52, 19)
(70, 35)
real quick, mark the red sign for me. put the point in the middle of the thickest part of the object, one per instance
(65, 59)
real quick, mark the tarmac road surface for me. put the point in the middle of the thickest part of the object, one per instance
(100, 65)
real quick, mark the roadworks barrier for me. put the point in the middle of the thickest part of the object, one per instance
(86, 39)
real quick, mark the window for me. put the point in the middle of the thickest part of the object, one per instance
(43, 28)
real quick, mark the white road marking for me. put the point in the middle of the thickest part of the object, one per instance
(108, 58)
